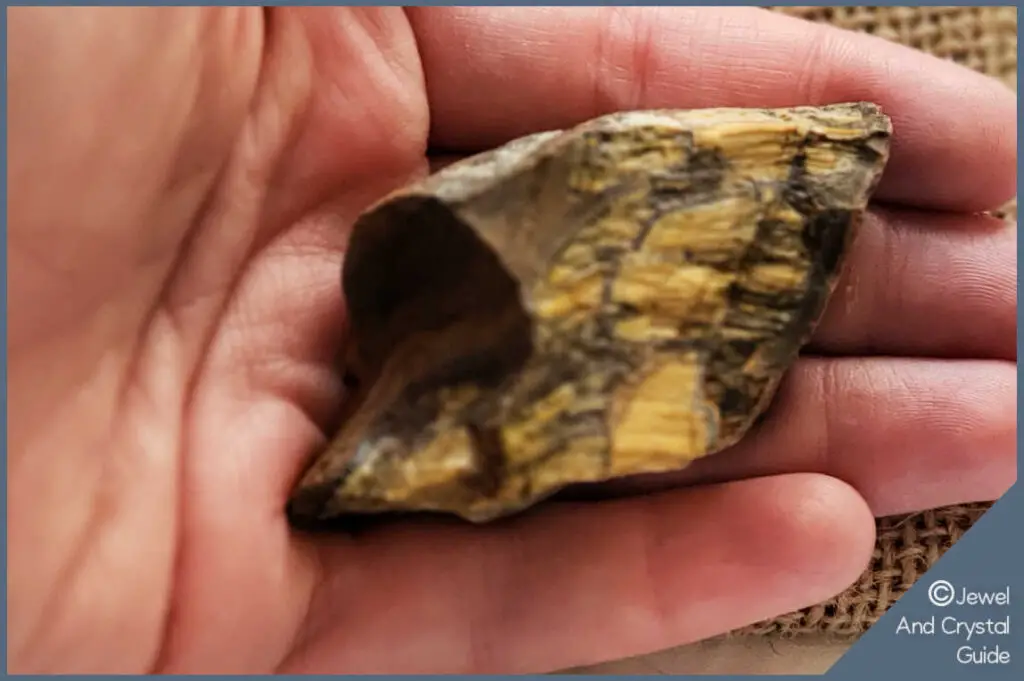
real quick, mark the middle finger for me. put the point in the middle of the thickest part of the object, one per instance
(925, 285)
(920, 284)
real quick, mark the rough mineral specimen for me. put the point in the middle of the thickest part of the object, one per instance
(618, 298)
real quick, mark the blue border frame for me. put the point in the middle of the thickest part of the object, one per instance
(981, 561)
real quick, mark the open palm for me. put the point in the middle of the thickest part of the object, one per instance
(181, 183)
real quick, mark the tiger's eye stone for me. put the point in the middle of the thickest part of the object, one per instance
(576, 306)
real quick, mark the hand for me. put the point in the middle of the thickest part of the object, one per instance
(181, 181)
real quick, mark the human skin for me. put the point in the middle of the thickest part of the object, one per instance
(180, 185)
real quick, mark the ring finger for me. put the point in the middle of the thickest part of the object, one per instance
(908, 434)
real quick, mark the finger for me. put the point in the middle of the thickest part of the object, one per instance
(907, 434)
(494, 74)
(926, 284)
(574, 585)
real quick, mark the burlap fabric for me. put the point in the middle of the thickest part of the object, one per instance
(983, 38)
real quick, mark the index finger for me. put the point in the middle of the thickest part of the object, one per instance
(494, 74)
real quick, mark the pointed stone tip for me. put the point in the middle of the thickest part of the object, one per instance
(307, 503)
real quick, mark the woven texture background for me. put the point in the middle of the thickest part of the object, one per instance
(983, 38)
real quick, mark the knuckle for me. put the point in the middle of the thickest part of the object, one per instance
(624, 58)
